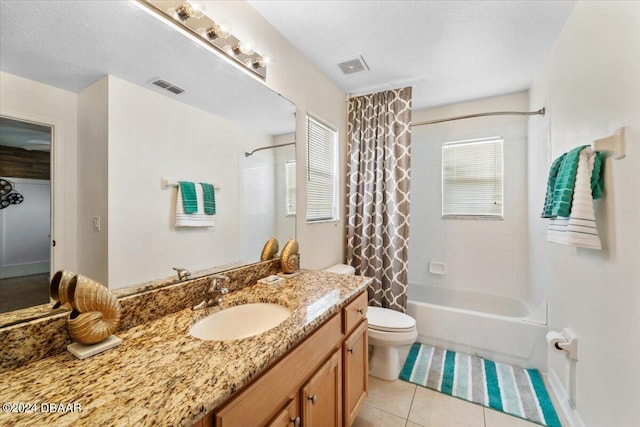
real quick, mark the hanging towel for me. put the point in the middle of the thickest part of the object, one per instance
(189, 200)
(197, 219)
(579, 228)
(209, 198)
(562, 180)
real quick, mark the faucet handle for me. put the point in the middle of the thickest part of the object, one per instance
(219, 277)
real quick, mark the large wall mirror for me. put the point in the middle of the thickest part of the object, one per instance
(117, 134)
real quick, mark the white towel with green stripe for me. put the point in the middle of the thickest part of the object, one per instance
(580, 228)
(196, 219)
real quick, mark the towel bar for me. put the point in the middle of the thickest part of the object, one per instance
(614, 143)
(165, 183)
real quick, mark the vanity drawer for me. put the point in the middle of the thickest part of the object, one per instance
(258, 403)
(354, 313)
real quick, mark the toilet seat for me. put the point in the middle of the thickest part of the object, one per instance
(387, 320)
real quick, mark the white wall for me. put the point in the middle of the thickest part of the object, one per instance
(25, 99)
(151, 136)
(293, 76)
(93, 137)
(489, 256)
(590, 86)
(257, 201)
(285, 225)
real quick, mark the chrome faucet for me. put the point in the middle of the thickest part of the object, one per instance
(213, 295)
(183, 274)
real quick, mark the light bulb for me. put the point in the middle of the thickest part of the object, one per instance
(225, 28)
(193, 9)
(267, 58)
(197, 8)
(246, 47)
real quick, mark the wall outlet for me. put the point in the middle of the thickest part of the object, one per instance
(96, 223)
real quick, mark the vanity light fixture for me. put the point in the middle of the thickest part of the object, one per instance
(189, 15)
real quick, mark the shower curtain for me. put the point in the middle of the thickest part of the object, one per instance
(379, 176)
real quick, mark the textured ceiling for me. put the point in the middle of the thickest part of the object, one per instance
(72, 44)
(450, 51)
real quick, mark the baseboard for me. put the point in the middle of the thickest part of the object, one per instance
(26, 269)
(570, 416)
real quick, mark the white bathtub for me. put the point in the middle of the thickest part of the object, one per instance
(492, 326)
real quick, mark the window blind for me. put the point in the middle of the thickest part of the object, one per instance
(472, 178)
(290, 184)
(321, 171)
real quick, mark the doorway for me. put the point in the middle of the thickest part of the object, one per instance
(25, 213)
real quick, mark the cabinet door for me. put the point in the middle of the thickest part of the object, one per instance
(289, 416)
(322, 395)
(356, 372)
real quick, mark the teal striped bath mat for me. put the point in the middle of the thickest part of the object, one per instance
(515, 391)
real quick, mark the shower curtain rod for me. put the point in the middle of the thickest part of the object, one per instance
(540, 112)
(266, 147)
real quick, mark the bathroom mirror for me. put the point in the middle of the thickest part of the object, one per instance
(102, 59)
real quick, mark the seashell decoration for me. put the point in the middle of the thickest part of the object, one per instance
(96, 311)
(290, 258)
(270, 250)
(59, 288)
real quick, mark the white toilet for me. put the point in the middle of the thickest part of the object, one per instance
(390, 333)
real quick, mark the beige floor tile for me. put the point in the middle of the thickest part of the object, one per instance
(412, 424)
(373, 417)
(500, 419)
(433, 409)
(391, 396)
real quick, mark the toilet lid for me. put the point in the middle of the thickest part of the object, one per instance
(385, 319)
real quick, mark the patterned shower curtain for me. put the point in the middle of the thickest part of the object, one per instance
(379, 176)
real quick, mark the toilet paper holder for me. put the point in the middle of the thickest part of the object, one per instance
(569, 343)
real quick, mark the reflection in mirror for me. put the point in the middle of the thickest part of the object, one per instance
(97, 84)
(25, 201)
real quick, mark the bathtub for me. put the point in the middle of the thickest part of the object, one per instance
(495, 327)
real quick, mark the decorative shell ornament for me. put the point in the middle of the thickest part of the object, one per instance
(96, 311)
(59, 287)
(270, 250)
(290, 259)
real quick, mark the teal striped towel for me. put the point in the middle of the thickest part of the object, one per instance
(562, 180)
(189, 199)
(209, 196)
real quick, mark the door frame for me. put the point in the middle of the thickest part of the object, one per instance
(56, 256)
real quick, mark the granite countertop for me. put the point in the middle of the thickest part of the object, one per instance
(161, 375)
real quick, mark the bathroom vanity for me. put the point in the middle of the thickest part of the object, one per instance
(309, 370)
(322, 382)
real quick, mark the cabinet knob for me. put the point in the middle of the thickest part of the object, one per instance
(313, 399)
(295, 421)
(350, 350)
(361, 310)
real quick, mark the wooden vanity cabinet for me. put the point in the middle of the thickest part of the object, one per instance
(355, 357)
(322, 395)
(356, 369)
(311, 386)
(288, 416)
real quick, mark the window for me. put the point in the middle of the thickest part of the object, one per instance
(290, 187)
(322, 174)
(472, 174)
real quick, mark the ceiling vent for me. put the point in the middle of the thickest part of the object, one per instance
(354, 66)
(168, 86)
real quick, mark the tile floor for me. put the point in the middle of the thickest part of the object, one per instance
(400, 404)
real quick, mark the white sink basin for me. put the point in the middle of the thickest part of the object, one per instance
(240, 321)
